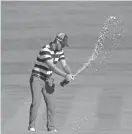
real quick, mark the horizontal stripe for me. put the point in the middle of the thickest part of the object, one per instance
(43, 60)
(61, 55)
(41, 67)
(60, 52)
(44, 56)
(37, 69)
(45, 53)
(42, 71)
(61, 58)
(37, 72)
(42, 64)
(47, 50)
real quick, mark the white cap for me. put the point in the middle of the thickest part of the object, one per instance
(62, 37)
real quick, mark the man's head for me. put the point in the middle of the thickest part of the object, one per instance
(61, 40)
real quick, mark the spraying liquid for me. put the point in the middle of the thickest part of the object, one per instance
(109, 39)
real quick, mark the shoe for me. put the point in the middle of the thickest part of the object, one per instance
(31, 129)
(54, 130)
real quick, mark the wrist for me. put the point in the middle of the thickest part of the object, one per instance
(65, 75)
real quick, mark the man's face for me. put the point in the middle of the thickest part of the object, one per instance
(62, 44)
(65, 41)
(59, 46)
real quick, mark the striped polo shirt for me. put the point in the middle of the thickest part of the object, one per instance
(46, 53)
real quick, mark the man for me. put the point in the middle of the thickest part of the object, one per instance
(41, 79)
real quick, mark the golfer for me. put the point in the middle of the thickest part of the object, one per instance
(42, 81)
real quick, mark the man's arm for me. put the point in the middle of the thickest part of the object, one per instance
(55, 69)
(67, 69)
(65, 66)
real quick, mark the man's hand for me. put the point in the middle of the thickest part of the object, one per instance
(69, 78)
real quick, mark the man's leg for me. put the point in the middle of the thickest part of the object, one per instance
(49, 96)
(36, 87)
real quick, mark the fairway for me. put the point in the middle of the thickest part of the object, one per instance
(95, 102)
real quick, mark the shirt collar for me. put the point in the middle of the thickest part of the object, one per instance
(51, 48)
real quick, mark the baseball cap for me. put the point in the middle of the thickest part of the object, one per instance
(62, 37)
